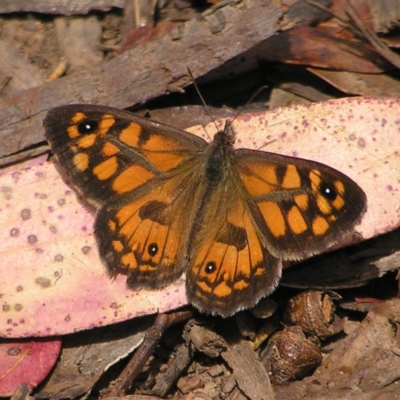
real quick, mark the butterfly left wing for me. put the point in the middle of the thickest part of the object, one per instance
(136, 172)
(268, 208)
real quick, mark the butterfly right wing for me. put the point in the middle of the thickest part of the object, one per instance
(267, 208)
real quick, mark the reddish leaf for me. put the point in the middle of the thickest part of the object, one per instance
(28, 362)
(315, 48)
(143, 34)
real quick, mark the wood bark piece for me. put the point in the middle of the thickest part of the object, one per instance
(368, 358)
(241, 358)
(142, 73)
(180, 363)
(64, 7)
(349, 267)
(150, 342)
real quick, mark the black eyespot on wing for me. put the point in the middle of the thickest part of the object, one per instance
(328, 190)
(152, 249)
(86, 127)
(210, 267)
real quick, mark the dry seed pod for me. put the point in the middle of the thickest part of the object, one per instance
(314, 312)
(246, 321)
(265, 308)
(289, 355)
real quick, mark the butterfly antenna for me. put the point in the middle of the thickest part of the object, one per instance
(201, 98)
(228, 123)
(253, 96)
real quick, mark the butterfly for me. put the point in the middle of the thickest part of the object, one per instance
(169, 203)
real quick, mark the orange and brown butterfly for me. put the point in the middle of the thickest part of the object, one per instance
(170, 203)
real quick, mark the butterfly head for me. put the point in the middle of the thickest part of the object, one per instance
(226, 137)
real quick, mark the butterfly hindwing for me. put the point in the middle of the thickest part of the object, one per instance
(230, 268)
(148, 234)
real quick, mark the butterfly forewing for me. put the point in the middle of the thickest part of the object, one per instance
(110, 153)
(303, 207)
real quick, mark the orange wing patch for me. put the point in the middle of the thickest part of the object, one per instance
(131, 178)
(145, 242)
